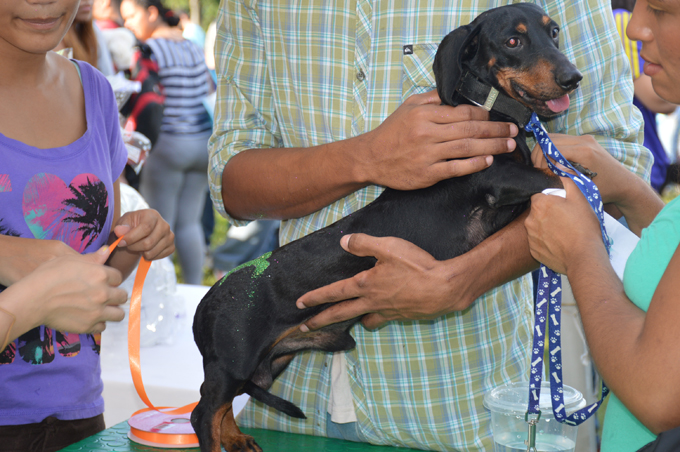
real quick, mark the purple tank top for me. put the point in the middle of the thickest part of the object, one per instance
(62, 194)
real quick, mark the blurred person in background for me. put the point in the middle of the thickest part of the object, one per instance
(190, 30)
(119, 41)
(106, 14)
(86, 40)
(174, 179)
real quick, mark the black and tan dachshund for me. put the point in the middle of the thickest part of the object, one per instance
(247, 325)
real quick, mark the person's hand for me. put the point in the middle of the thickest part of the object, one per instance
(562, 231)
(146, 233)
(20, 256)
(424, 142)
(612, 179)
(74, 293)
(406, 283)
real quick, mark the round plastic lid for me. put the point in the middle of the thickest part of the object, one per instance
(513, 398)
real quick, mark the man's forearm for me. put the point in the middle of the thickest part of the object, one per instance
(500, 258)
(287, 183)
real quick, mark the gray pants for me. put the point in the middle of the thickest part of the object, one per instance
(174, 181)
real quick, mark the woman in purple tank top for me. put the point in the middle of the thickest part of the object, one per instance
(61, 155)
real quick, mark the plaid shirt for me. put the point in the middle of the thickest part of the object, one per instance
(299, 74)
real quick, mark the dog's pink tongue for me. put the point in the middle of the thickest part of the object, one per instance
(558, 105)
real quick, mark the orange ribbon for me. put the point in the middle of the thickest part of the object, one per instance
(136, 369)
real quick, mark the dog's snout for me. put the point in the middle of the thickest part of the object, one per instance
(569, 80)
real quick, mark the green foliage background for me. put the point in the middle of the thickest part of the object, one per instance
(209, 9)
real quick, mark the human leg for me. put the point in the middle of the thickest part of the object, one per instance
(189, 236)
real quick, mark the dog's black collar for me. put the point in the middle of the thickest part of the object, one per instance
(489, 98)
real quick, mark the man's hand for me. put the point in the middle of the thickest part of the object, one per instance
(415, 146)
(406, 283)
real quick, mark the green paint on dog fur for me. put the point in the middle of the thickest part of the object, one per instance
(260, 264)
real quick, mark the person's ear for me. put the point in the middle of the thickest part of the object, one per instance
(153, 13)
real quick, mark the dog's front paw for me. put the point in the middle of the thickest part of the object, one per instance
(243, 443)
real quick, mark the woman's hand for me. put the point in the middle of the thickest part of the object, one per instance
(563, 231)
(74, 293)
(612, 178)
(20, 256)
(620, 188)
(145, 232)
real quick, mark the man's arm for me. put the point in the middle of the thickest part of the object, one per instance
(409, 284)
(254, 176)
(420, 144)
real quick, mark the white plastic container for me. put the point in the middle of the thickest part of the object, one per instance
(508, 405)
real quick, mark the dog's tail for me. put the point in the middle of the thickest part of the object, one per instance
(273, 401)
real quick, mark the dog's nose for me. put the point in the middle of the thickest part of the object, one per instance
(568, 80)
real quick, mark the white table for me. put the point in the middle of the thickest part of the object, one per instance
(172, 374)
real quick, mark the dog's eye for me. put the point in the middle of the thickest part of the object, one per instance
(512, 42)
(555, 33)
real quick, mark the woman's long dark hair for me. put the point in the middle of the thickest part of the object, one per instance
(168, 16)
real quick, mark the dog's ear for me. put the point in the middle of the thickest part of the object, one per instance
(458, 46)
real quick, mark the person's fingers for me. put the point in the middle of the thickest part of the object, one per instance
(137, 233)
(474, 130)
(98, 257)
(461, 167)
(340, 312)
(332, 293)
(98, 328)
(473, 147)
(159, 251)
(112, 314)
(374, 320)
(117, 297)
(430, 97)
(445, 114)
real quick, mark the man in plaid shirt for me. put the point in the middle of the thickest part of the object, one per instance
(321, 104)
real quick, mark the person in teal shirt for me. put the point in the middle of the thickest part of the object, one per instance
(630, 325)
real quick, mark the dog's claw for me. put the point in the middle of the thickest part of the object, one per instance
(245, 443)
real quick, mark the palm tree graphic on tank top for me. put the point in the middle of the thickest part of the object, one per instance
(76, 214)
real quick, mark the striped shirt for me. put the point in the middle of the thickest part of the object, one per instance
(186, 82)
(299, 74)
(632, 48)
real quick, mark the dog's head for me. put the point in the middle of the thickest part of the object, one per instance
(515, 49)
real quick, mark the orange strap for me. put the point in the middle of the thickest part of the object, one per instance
(133, 347)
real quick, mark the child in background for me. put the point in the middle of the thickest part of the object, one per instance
(62, 154)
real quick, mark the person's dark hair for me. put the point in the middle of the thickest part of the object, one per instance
(168, 16)
(628, 5)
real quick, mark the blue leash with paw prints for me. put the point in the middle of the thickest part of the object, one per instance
(549, 300)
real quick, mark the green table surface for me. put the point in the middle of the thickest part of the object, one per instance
(115, 439)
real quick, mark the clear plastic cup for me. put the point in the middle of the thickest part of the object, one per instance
(508, 405)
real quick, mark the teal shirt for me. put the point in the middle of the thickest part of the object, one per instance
(645, 266)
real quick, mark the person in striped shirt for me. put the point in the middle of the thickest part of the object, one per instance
(319, 105)
(174, 177)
